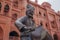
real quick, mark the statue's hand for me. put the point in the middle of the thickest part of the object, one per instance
(23, 29)
(31, 28)
(27, 29)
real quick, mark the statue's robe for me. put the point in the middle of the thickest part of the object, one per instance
(24, 21)
(41, 34)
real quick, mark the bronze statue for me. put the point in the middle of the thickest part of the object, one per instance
(27, 26)
(26, 22)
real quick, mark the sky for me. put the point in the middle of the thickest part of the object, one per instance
(55, 4)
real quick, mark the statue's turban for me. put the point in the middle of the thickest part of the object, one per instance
(30, 7)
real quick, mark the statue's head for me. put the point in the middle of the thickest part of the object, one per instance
(30, 11)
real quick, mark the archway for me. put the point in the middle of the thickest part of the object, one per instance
(55, 37)
(6, 9)
(13, 36)
(0, 6)
(1, 34)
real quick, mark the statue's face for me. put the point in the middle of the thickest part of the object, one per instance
(30, 13)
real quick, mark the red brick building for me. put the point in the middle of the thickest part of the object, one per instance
(10, 10)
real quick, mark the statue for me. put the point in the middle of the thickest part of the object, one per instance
(27, 27)
(26, 22)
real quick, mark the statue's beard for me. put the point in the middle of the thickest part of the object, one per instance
(30, 16)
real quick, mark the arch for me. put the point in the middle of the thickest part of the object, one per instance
(1, 33)
(15, 3)
(41, 23)
(39, 13)
(6, 9)
(14, 16)
(0, 5)
(44, 15)
(13, 35)
(55, 37)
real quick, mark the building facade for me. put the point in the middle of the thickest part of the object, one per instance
(10, 10)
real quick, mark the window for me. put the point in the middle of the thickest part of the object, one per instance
(15, 3)
(41, 24)
(39, 13)
(53, 24)
(46, 25)
(55, 37)
(6, 8)
(14, 16)
(44, 15)
(0, 6)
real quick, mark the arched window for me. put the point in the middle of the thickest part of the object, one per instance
(44, 15)
(6, 9)
(13, 35)
(47, 25)
(39, 13)
(15, 3)
(0, 6)
(14, 16)
(53, 24)
(41, 24)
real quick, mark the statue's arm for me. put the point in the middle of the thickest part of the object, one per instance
(34, 25)
(19, 23)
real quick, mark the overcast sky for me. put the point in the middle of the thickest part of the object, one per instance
(55, 3)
